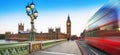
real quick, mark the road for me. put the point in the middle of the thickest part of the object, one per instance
(64, 48)
(90, 50)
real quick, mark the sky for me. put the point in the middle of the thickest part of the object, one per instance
(51, 14)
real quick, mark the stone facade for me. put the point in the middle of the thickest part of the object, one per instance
(38, 36)
(24, 35)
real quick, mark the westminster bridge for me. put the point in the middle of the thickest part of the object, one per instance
(24, 48)
(49, 47)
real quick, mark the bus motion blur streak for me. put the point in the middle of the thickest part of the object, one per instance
(103, 29)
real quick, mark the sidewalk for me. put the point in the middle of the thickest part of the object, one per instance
(64, 48)
(87, 49)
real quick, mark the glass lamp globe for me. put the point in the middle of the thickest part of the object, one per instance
(27, 8)
(32, 5)
(36, 13)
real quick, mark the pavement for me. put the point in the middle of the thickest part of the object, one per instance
(89, 50)
(64, 48)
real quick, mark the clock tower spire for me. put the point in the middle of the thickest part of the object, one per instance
(68, 27)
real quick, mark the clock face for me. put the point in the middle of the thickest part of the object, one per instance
(68, 23)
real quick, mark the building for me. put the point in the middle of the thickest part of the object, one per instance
(68, 27)
(50, 35)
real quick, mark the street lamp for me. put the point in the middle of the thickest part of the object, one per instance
(32, 13)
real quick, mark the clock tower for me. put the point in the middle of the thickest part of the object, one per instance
(68, 27)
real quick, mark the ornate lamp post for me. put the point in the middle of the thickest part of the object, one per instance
(32, 13)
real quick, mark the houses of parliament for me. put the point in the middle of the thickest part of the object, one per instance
(24, 35)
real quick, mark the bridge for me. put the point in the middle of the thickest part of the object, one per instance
(50, 47)
(24, 48)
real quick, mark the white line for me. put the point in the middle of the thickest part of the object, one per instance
(94, 52)
(56, 53)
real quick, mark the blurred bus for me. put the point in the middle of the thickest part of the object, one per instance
(103, 29)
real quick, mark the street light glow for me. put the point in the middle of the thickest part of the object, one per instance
(36, 13)
(32, 5)
(27, 8)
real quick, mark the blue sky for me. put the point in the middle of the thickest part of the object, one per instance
(52, 13)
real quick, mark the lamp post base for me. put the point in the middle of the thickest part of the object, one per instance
(32, 33)
(32, 36)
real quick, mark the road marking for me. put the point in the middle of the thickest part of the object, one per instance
(56, 53)
(94, 52)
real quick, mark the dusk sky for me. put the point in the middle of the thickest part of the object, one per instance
(51, 14)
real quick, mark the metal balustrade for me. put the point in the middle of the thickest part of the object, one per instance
(47, 44)
(24, 48)
(14, 49)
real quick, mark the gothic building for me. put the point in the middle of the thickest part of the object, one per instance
(51, 34)
(68, 27)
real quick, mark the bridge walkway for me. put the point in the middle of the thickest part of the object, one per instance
(63, 48)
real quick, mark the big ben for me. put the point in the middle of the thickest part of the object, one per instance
(68, 27)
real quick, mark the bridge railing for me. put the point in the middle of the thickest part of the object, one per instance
(38, 45)
(14, 49)
(34, 46)
(47, 44)
(24, 48)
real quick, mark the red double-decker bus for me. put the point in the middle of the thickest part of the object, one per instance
(103, 29)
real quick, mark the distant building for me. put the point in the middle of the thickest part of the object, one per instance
(24, 35)
(68, 27)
